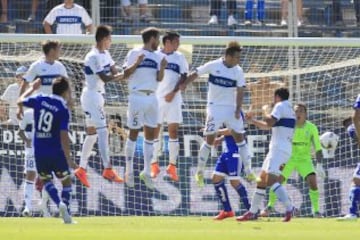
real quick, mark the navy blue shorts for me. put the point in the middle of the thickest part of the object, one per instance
(47, 165)
(228, 165)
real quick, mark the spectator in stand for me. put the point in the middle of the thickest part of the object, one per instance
(249, 5)
(337, 12)
(284, 12)
(215, 6)
(144, 17)
(4, 11)
(68, 18)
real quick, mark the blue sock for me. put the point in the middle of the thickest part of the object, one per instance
(65, 196)
(222, 194)
(241, 190)
(354, 199)
(53, 192)
(249, 9)
(261, 10)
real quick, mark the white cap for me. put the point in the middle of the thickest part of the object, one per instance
(20, 70)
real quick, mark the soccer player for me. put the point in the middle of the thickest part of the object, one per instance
(228, 164)
(11, 95)
(306, 136)
(282, 124)
(170, 100)
(354, 194)
(224, 103)
(143, 107)
(99, 69)
(51, 139)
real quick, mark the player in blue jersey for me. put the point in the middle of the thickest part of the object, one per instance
(353, 130)
(228, 164)
(51, 139)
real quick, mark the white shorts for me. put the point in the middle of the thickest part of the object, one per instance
(170, 112)
(217, 116)
(92, 103)
(30, 164)
(274, 159)
(142, 110)
(357, 172)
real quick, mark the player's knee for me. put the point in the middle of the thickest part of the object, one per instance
(235, 183)
(216, 178)
(30, 176)
(91, 130)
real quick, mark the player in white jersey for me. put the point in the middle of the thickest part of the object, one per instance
(99, 69)
(46, 68)
(170, 100)
(224, 104)
(68, 18)
(11, 95)
(143, 106)
(282, 123)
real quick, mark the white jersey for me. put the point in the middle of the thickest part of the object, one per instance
(10, 96)
(223, 82)
(95, 63)
(145, 75)
(283, 130)
(47, 72)
(177, 66)
(27, 124)
(68, 20)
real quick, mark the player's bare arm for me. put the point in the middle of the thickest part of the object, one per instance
(65, 144)
(131, 69)
(23, 137)
(34, 87)
(239, 100)
(160, 74)
(356, 121)
(170, 96)
(188, 80)
(265, 124)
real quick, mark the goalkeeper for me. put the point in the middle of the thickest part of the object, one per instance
(306, 135)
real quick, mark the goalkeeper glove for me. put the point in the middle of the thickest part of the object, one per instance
(249, 174)
(320, 171)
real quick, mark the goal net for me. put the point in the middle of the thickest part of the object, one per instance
(323, 73)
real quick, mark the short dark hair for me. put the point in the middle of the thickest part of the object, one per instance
(283, 93)
(170, 35)
(48, 45)
(102, 31)
(347, 122)
(301, 105)
(232, 47)
(148, 33)
(60, 85)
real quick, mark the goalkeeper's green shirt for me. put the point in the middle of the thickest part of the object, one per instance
(305, 137)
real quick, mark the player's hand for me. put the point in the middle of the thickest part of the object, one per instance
(170, 96)
(163, 63)
(19, 113)
(249, 174)
(320, 171)
(249, 116)
(140, 58)
(266, 109)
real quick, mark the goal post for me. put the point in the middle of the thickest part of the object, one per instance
(324, 75)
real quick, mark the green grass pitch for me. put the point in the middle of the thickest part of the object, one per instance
(174, 228)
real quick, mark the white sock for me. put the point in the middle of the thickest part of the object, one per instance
(28, 192)
(244, 154)
(87, 146)
(148, 149)
(204, 153)
(257, 199)
(103, 144)
(156, 151)
(282, 195)
(173, 145)
(129, 155)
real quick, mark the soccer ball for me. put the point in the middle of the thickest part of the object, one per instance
(329, 140)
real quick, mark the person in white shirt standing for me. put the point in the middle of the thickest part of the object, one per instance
(69, 18)
(170, 100)
(281, 121)
(143, 107)
(224, 106)
(11, 95)
(99, 68)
